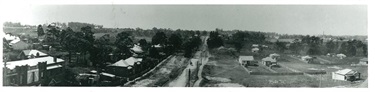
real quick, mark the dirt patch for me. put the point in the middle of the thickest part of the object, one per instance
(218, 79)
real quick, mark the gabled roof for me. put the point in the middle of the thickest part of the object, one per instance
(137, 49)
(32, 62)
(306, 57)
(268, 59)
(346, 72)
(125, 63)
(341, 55)
(14, 41)
(274, 54)
(33, 52)
(246, 57)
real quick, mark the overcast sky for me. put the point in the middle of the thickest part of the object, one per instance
(290, 19)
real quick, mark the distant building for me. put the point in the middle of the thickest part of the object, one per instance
(341, 56)
(346, 75)
(268, 61)
(275, 56)
(308, 59)
(255, 50)
(137, 51)
(247, 60)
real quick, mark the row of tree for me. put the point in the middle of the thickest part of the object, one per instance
(316, 46)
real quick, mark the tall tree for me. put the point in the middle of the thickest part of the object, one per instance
(175, 41)
(124, 43)
(40, 30)
(159, 38)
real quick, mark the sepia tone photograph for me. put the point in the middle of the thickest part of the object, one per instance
(158, 45)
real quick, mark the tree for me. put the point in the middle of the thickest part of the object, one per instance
(214, 40)
(239, 40)
(123, 43)
(40, 30)
(176, 41)
(330, 46)
(159, 38)
(280, 46)
(364, 48)
(296, 46)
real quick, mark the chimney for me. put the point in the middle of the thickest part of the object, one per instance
(55, 59)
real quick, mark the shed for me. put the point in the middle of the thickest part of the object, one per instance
(268, 61)
(346, 75)
(246, 60)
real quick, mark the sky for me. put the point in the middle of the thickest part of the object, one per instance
(284, 19)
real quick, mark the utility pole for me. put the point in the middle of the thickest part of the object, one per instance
(188, 82)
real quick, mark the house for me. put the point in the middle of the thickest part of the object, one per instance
(341, 56)
(137, 51)
(31, 71)
(14, 55)
(346, 75)
(33, 53)
(308, 59)
(255, 50)
(122, 67)
(247, 60)
(19, 45)
(363, 61)
(275, 56)
(268, 61)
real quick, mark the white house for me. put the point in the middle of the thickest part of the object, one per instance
(346, 75)
(268, 61)
(246, 60)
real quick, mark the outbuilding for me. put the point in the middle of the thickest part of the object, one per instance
(346, 75)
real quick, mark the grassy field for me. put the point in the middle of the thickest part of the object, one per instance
(223, 65)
